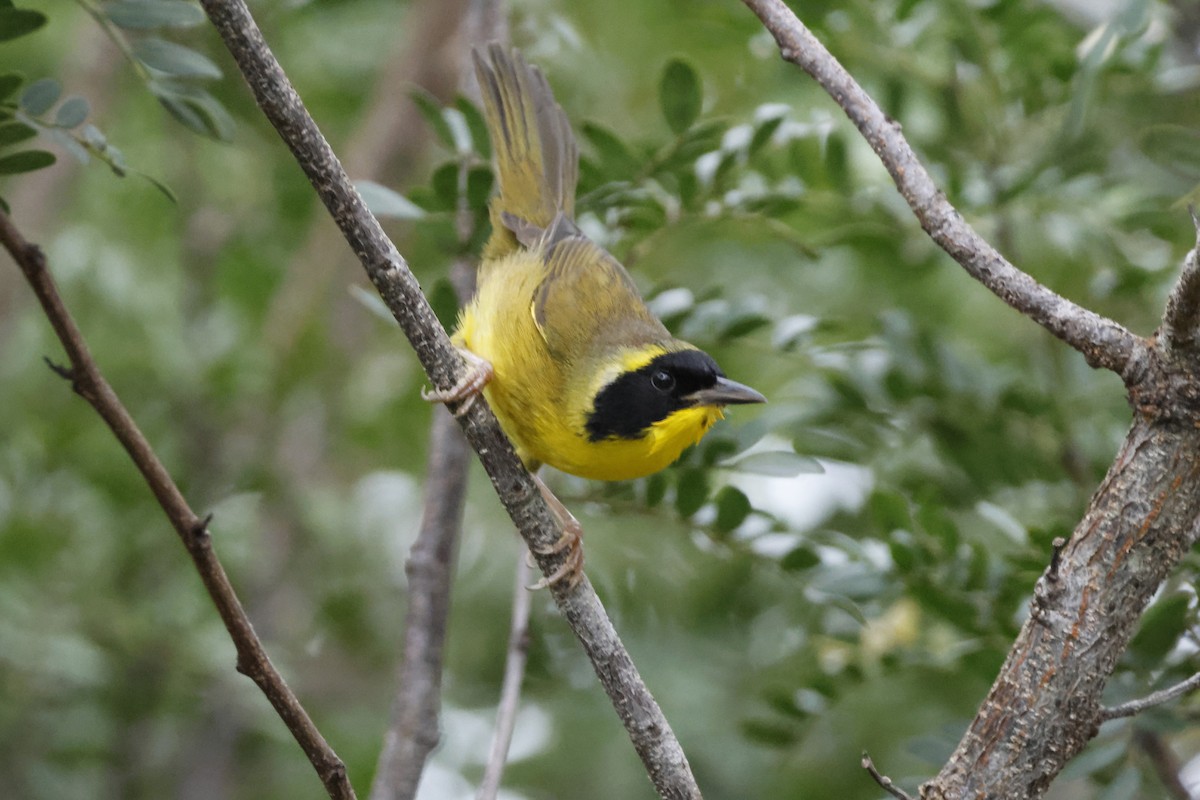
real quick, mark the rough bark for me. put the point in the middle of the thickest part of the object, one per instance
(1045, 704)
(644, 721)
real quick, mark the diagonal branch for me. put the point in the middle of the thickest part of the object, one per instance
(1180, 329)
(1134, 707)
(90, 384)
(648, 729)
(1103, 342)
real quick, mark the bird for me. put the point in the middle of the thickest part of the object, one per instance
(581, 375)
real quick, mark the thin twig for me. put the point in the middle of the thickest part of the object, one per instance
(644, 721)
(1182, 317)
(413, 731)
(884, 781)
(1164, 762)
(1133, 707)
(1103, 342)
(510, 690)
(90, 384)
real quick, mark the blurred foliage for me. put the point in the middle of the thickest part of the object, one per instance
(841, 570)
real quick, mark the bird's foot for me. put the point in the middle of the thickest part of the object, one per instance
(479, 373)
(571, 570)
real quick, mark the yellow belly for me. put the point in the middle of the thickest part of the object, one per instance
(540, 405)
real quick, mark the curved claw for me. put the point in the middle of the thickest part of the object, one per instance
(479, 373)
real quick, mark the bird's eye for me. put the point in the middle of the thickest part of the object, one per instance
(662, 380)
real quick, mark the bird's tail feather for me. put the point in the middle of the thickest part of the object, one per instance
(537, 158)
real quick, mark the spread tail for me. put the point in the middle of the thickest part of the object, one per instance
(537, 159)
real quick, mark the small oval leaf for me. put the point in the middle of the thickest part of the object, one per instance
(9, 83)
(25, 161)
(40, 95)
(776, 464)
(13, 132)
(72, 112)
(384, 202)
(732, 508)
(174, 59)
(18, 22)
(680, 95)
(148, 14)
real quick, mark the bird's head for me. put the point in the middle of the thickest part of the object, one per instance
(676, 392)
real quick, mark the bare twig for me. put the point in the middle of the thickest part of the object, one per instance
(1103, 342)
(1182, 317)
(1165, 765)
(510, 691)
(1044, 705)
(648, 729)
(884, 781)
(1133, 707)
(90, 384)
(413, 731)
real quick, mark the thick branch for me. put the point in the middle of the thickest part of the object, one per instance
(91, 385)
(1045, 704)
(1103, 342)
(648, 729)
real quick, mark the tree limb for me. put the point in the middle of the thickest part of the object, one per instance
(510, 692)
(1182, 319)
(413, 731)
(1103, 342)
(1045, 703)
(648, 729)
(884, 781)
(90, 384)
(1134, 707)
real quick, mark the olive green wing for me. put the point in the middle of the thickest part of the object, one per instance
(587, 303)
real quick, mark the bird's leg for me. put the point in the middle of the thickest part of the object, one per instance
(571, 540)
(479, 373)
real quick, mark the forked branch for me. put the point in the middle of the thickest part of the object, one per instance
(1103, 342)
(90, 384)
(648, 729)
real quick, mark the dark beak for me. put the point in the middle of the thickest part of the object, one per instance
(725, 393)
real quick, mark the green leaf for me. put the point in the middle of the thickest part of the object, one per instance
(18, 22)
(1175, 148)
(174, 59)
(616, 159)
(479, 187)
(385, 202)
(162, 187)
(40, 95)
(444, 183)
(147, 14)
(801, 558)
(1162, 625)
(25, 161)
(680, 95)
(477, 125)
(777, 464)
(656, 489)
(732, 508)
(9, 83)
(763, 133)
(691, 492)
(13, 132)
(431, 110)
(72, 112)
(444, 301)
(195, 108)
